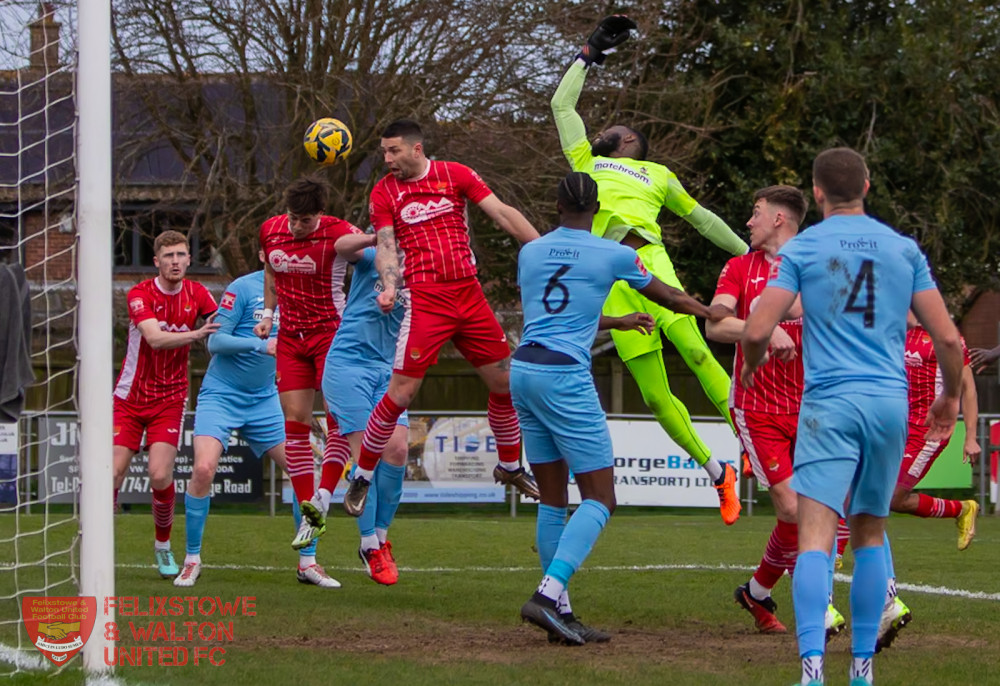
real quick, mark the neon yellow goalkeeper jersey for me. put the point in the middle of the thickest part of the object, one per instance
(631, 193)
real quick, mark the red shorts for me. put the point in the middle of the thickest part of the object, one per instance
(454, 311)
(300, 359)
(162, 422)
(769, 440)
(918, 456)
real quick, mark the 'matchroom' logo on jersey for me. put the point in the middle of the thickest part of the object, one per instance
(913, 359)
(416, 212)
(291, 264)
(641, 175)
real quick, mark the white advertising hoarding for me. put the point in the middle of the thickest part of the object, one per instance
(650, 469)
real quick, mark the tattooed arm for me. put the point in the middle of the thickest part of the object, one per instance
(387, 264)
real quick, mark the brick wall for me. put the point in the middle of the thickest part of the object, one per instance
(979, 326)
(49, 247)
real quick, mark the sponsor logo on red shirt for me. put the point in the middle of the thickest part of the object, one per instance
(416, 212)
(292, 264)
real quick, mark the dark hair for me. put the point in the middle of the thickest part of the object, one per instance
(307, 195)
(643, 142)
(577, 192)
(841, 174)
(788, 197)
(168, 238)
(404, 128)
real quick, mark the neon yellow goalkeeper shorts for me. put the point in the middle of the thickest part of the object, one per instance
(623, 300)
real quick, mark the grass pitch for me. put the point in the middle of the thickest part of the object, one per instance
(661, 583)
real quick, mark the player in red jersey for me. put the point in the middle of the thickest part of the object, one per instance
(422, 204)
(924, 377)
(925, 383)
(304, 277)
(766, 415)
(152, 386)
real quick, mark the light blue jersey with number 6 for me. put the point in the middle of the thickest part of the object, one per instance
(565, 277)
(857, 277)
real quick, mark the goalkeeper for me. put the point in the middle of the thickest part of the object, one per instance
(631, 193)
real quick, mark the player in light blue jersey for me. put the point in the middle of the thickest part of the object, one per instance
(857, 278)
(238, 393)
(355, 377)
(565, 277)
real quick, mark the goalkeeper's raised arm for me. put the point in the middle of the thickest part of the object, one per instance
(610, 33)
(632, 190)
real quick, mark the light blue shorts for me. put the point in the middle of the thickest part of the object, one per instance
(352, 391)
(259, 420)
(850, 445)
(561, 416)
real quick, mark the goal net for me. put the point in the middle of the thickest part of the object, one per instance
(42, 357)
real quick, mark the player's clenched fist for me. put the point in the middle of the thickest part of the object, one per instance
(263, 327)
(387, 299)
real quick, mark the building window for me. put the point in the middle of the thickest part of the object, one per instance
(8, 238)
(136, 228)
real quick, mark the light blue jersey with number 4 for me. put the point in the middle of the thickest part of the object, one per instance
(565, 277)
(857, 277)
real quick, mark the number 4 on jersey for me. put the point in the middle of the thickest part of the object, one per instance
(866, 278)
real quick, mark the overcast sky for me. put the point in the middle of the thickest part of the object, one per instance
(15, 15)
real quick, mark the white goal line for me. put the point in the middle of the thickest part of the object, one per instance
(843, 578)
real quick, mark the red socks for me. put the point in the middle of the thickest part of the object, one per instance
(381, 424)
(163, 511)
(506, 429)
(299, 463)
(779, 555)
(336, 453)
(929, 506)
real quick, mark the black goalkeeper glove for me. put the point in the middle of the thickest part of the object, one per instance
(610, 33)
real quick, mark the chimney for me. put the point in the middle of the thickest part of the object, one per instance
(45, 39)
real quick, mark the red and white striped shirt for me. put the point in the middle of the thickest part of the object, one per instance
(154, 376)
(777, 385)
(923, 373)
(308, 273)
(430, 219)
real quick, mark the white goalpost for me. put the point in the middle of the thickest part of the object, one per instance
(94, 221)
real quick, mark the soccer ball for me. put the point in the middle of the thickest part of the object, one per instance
(327, 140)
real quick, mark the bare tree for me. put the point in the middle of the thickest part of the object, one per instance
(226, 88)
